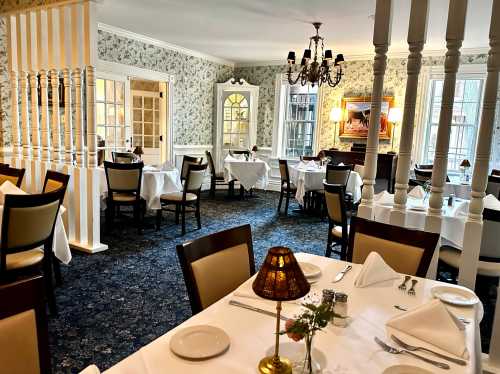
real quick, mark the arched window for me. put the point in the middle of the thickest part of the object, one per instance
(236, 121)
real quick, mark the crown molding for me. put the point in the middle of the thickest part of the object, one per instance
(162, 44)
(369, 56)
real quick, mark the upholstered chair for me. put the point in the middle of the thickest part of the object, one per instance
(338, 229)
(186, 161)
(217, 178)
(215, 265)
(27, 234)
(287, 187)
(124, 189)
(13, 175)
(493, 186)
(407, 251)
(186, 201)
(123, 157)
(24, 342)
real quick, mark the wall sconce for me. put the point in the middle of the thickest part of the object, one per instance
(335, 117)
(395, 115)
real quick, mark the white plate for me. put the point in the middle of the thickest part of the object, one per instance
(309, 270)
(199, 342)
(455, 295)
(405, 369)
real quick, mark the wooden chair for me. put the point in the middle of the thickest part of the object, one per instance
(54, 181)
(27, 235)
(407, 251)
(238, 152)
(287, 187)
(124, 189)
(23, 328)
(186, 161)
(423, 174)
(338, 229)
(495, 172)
(15, 176)
(187, 201)
(123, 157)
(215, 265)
(493, 186)
(3, 166)
(339, 174)
(217, 179)
(310, 158)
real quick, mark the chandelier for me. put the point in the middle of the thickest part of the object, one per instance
(312, 70)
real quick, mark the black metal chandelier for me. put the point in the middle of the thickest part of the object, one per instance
(312, 71)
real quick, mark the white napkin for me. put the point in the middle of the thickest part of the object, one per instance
(9, 188)
(384, 198)
(417, 193)
(434, 324)
(92, 369)
(340, 164)
(312, 163)
(149, 168)
(246, 291)
(491, 202)
(374, 270)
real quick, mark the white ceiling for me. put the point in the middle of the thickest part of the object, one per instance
(246, 31)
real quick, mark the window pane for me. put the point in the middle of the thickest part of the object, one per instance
(119, 141)
(137, 101)
(148, 115)
(110, 136)
(99, 90)
(148, 103)
(101, 131)
(110, 115)
(138, 141)
(110, 91)
(148, 142)
(120, 92)
(120, 115)
(100, 114)
(137, 128)
(137, 115)
(148, 128)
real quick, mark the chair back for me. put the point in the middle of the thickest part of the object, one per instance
(124, 177)
(54, 181)
(407, 251)
(423, 175)
(215, 265)
(186, 161)
(490, 245)
(123, 157)
(15, 176)
(335, 203)
(493, 186)
(23, 328)
(310, 158)
(234, 152)
(495, 172)
(338, 174)
(195, 177)
(358, 147)
(284, 173)
(210, 161)
(424, 166)
(3, 166)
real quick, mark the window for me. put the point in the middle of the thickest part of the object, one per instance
(236, 120)
(299, 120)
(110, 115)
(465, 121)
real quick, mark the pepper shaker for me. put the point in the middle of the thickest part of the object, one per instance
(450, 199)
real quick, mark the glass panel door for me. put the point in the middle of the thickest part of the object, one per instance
(146, 121)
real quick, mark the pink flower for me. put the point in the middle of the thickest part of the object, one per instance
(292, 335)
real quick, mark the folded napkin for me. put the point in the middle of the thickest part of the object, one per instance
(9, 188)
(246, 291)
(434, 324)
(491, 202)
(384, 198)
(340, 164)
(312, 163)
(92, 369)
(417, 193)
(374, 270)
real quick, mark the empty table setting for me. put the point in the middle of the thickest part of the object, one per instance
(309, 176)
(388, 316)
(250, 173)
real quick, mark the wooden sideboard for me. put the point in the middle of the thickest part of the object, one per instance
(386, 163)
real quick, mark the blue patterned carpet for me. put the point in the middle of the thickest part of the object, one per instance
(114, 302)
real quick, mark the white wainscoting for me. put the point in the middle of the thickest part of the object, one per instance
(192, 150)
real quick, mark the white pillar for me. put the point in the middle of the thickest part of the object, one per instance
(417, 34)
(381, 41)
(91, 129)
(35, 119)
(16, 130)
(23, 79)
(474, 223)
(45, 116)
(77, 79)
(56, 117)
(68, 127)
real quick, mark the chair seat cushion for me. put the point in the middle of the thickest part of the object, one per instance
(123, 196)
(337, 231)
(177, 196)
(24, 259)
(451, 257)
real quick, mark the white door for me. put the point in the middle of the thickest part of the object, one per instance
(147, 122)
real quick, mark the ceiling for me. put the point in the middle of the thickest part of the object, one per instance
(247, 31)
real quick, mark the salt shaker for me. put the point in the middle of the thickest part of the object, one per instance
(329, 298)
(340, 309)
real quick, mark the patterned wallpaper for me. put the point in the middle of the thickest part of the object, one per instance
(358, 81)
(194, 82)
(4, 87)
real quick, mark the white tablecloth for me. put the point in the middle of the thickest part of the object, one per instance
(307, 178)
(154, 184)
(347, 350)
(249, 173)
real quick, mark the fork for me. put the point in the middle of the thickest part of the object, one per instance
(402, 286)
(393, 350)
(411, 291)
(413, 348)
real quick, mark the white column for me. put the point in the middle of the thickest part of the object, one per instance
(417, 34)
(35, 119)
(68, 126)
(16, 130)
(45, 116)
(91, 129)
(56, 117)
(23, 80)
(474, 223)
(77, 79)
(381, 41)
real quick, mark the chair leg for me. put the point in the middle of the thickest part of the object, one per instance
(183, 219)
(242, 191)
(230, 189)
(281, 200)
(198, 216)
(49, 287)
(57, 270)
(177, 210)
(343, 250)
(158, 218)
(212, 187)
(287, 202)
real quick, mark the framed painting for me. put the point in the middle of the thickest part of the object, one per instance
(356, 118)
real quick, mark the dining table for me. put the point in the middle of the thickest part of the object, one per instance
(155, 182)
(347, 350)
(251, 172)
(310, 176)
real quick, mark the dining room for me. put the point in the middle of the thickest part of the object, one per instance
(197, 187)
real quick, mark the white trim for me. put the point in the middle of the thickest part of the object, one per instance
(369, 56)
(133, 71)
(190, 147)
(160, 43)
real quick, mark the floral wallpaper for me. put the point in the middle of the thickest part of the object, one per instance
(4, 87)
(194, 82)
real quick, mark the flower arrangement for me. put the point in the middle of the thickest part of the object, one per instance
(427, 188)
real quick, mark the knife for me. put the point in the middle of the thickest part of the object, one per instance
(340, 275)
(255, 309)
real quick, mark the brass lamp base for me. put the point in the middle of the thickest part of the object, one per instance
(269, 365)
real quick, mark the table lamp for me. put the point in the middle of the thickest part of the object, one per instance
(465, 165)
(394, 116)
(280, 279)
(138, 151)
(335, 117)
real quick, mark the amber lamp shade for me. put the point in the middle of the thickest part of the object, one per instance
(465, 164)
(280, 279)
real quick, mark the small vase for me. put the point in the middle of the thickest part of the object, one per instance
(309, 366)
